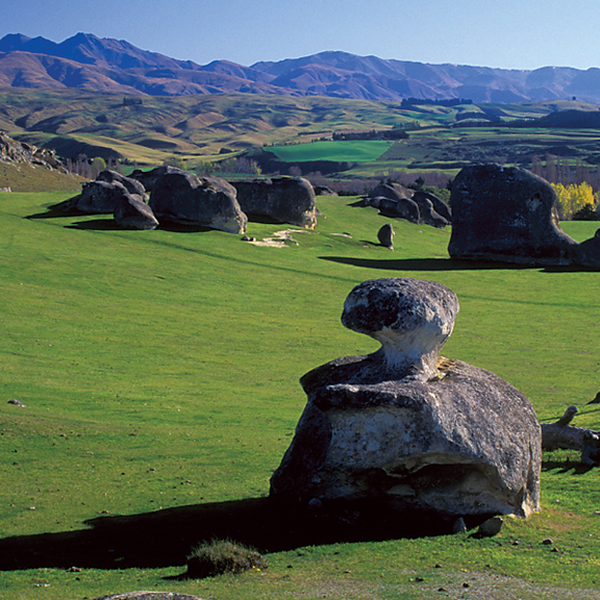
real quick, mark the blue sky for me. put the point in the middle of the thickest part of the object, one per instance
(515, 34)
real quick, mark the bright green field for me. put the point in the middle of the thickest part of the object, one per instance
(160, 370)
(359, 151)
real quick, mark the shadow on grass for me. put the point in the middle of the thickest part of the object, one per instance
(444, 264)
(165, 538)
(573, 466)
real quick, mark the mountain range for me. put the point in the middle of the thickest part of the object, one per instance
(107, 65)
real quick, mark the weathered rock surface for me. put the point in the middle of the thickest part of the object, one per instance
(385, 235)
(407, 426)
(132, 212)
(185, 198)
(507, 214)
(131, 185)
(148, 178)
(431, 209)
(99, 197)
(283, 199)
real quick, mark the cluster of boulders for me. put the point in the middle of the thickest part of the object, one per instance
(169, 195)
(508, 214)
(397, 201)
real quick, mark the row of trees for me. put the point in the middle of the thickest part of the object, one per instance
(556, 169)
(91, 168)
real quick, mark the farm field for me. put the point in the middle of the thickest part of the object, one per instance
(160, 369)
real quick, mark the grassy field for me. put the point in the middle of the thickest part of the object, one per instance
(351, 151)
(160, 369)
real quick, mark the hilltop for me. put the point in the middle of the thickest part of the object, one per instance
(87, 62)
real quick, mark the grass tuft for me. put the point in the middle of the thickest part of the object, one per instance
(219, 557)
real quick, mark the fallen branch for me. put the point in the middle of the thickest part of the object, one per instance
(562, 435)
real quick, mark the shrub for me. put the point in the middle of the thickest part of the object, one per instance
(222, 556)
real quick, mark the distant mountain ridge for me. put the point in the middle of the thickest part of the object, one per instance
(87, 62)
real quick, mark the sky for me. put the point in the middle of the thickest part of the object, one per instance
(510, 34)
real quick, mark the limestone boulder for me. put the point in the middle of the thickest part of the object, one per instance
(99, 197)
(401, 208)
(132, 212)
(385, 235)
(185, 198)
(397, 201)
(407, 427)
(507, 214)
(148, 178)
(283, 200)
(588, 252)
(433, 211)
(131, 185)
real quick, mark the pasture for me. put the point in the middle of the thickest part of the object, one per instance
(160, 369)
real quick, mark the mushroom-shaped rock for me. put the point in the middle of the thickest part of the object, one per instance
(410, 318)
(408, 427)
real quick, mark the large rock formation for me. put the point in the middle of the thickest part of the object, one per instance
(185, 198)
(408, 427)
(507, 214)
(284, 200)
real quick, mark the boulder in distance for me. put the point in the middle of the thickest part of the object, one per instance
(282, 199)
(386, 236)
(184, 198)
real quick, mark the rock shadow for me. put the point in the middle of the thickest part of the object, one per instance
(446, 264)
(165, 538)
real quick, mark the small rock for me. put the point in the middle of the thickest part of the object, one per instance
(548, 542)
(315, 504)
(490, 528)
(459, 526)
(386, 236)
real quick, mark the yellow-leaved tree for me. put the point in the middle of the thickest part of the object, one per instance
(574, 198)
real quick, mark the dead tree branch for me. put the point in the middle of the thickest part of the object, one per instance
(562, 435)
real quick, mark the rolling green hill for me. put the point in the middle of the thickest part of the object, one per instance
(212, 128)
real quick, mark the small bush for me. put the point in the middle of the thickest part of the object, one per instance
(222, 556)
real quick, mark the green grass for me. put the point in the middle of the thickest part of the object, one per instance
(160, 372)
(350, 151)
